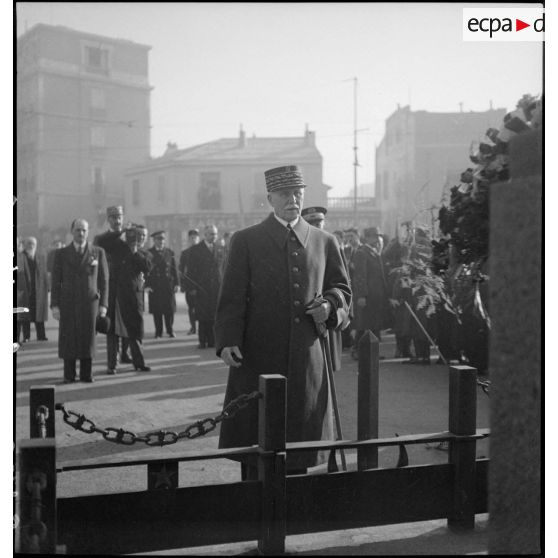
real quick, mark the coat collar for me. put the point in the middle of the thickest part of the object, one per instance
(279, 233)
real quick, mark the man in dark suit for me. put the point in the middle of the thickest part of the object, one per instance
(264, 323)
(116, 251)
(185, 282)
(204, 270)
(162, 284)
(79, 292)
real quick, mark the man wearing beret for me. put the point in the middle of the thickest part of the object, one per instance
(80, 277)
(264, 325)
(162, 284)
(369, 285)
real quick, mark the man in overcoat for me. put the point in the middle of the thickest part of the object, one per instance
(116, 251)
(32, 290)
(79, 293)
(369, 285)
(204, 270)
(274, 271)
(162, 284)
(185, 282)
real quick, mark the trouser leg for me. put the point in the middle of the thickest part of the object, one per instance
(125, 347)
(112, 350)
(169, 320)
(69, 369)
(40, 329)
(158, 320)
(85, 369)
(26, 326)
(137, 352)
(210, 334)
(201, 334)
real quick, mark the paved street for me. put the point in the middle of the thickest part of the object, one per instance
(187, 384)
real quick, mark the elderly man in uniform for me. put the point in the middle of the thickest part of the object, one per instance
(116, 251)
(204, 270)
(162, 284)
(185, 282)
(79, 293)
(269, 313)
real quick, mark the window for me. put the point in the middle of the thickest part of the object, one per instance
(98, 180)
(97, 98)
(97, 136)
(96, 59)
(161, 190)
(209, 193)
(135, 192)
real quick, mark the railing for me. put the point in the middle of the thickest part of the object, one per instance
(266, 510)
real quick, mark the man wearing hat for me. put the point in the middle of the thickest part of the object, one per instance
(116, 251)
(315, 216)
(369, 285)
(264, 324)
(162, 284)
(186, 284)
(80, 277)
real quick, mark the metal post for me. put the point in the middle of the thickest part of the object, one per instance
(462, 455)
(41, 411)
(368, 390)
(272, 424)
(36, 509)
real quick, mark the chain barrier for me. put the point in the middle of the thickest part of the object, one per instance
(35, 532)
(160, 437)
(485, 385)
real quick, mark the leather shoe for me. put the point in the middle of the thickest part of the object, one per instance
(157, 336)
(111, 371)
(87, 381)
(143, 368)
(192, 331)
(172, 334)
(69, 381)
(42, 339)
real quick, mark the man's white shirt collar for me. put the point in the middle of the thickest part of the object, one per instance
(285, 223)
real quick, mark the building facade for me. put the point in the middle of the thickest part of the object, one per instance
(220, 182)
(83, 118)
(420, 157)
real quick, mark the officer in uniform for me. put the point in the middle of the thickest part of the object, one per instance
(162, 284)
(315, 216)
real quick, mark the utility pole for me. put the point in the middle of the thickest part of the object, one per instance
(355, 209)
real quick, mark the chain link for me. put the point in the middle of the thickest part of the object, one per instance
(160, 437)
(35, 532)
(485, 385)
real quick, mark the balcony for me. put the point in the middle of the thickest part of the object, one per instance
(349, 203)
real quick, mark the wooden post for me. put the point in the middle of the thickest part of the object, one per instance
(272, 424)
(36, 496)
(368, 407)
(41, 412)
(462, 455)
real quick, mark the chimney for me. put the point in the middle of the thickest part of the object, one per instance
(241, 137)
(309, 137)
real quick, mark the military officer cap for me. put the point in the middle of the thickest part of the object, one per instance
(158, 233)
(351, 230)
(193, 232)
(372, 231)
(284, 177)
(115, 210)
(312, 214)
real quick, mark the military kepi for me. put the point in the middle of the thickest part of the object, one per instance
(314, 213)
(284, 177)
(158, 233)
(115, 210)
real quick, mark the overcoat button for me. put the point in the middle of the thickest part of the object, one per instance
(297, 320)
(294, 254)
(297, 302)
(295, 269)
(296, 285)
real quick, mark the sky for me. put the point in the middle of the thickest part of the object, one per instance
(274, 68)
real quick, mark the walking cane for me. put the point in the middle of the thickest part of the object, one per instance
(426, 333)
(324, 342)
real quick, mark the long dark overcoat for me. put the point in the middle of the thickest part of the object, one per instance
(79, 286)
(116, 251)
(27, 282)
(130, 272)
(369, 282)
(204, 269)
(270, 276)
(162, 278)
